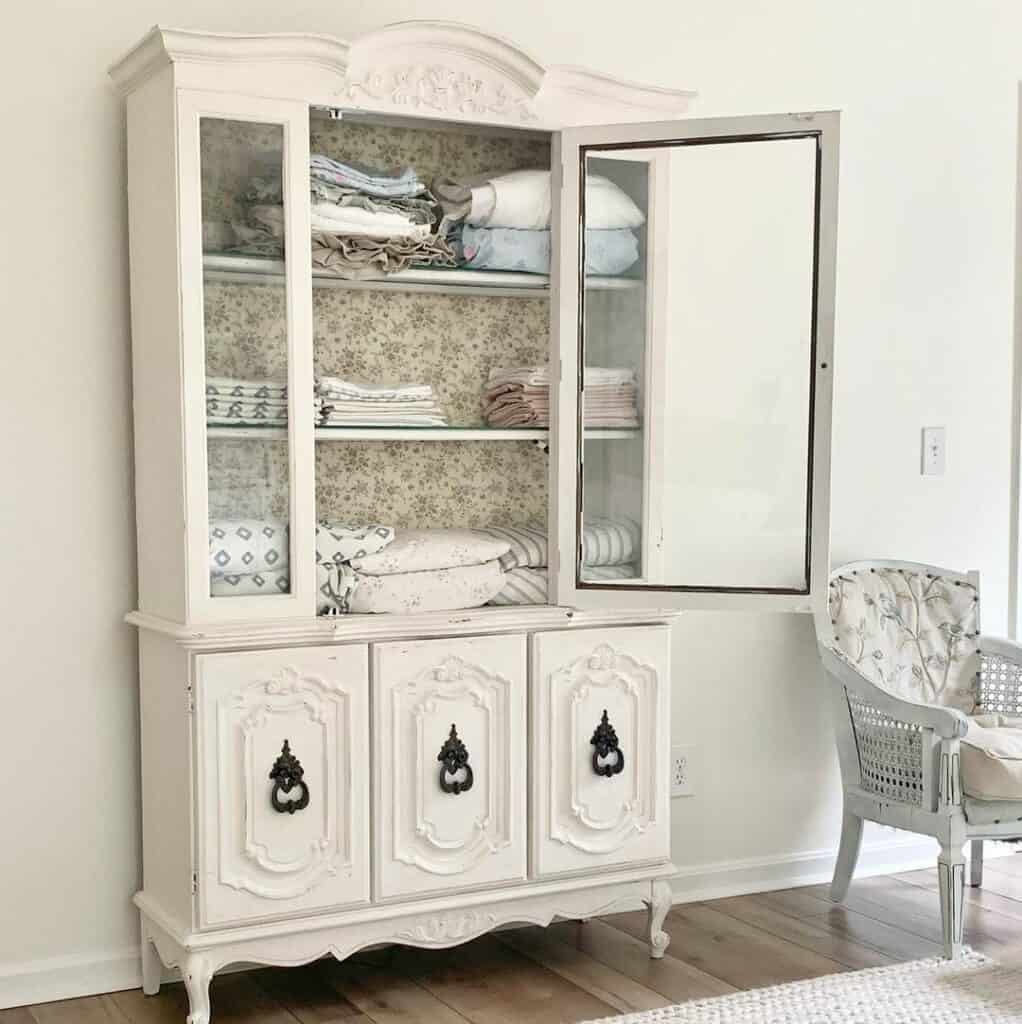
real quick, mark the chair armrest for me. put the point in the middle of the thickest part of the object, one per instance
(947, 723)
(1001, 647)
(999, 681)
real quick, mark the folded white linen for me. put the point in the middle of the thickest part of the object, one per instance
(539, 376)
(521, 199)
(397, 418)
(353, 220)
(467, 586)
(349, 387)
(423, 550)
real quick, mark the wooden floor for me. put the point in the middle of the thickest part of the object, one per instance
(574, 972)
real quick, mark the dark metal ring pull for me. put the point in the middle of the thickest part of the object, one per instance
(605, 741)
(287, 773)
(453, 758)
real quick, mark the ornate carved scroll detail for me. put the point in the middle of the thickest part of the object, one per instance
(439, 88)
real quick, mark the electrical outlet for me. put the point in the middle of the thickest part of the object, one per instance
(683, 759)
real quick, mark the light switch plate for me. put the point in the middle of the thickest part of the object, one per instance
(934, 451)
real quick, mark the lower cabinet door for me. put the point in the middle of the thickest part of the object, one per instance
(601, 733)
(283, 763)
(449, 736)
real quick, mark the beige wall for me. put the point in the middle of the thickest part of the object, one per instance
(928, 91)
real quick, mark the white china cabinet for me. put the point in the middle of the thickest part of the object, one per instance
(314, 783)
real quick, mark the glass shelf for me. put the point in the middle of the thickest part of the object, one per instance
(261, 270)
(413, 433)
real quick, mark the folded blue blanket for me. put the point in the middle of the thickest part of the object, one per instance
(608, 252)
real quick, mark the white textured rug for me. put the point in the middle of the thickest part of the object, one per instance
(971, 990)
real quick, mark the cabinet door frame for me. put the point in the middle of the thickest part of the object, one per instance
(566, 342)
(293, 117)
(238, 877)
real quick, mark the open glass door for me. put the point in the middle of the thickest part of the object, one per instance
(692, 427)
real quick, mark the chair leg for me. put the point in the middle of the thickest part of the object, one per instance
(847, 856)
(976, 863)
(951, 872)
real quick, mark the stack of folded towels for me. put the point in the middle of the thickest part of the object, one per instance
(520, 397)
(502, 222)
(342, 401)
(235, 402)
(610, 550)
(365, 222)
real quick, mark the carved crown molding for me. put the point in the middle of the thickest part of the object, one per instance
(430, 68)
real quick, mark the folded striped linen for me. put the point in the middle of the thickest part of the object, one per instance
(606, 543)
(531, 586)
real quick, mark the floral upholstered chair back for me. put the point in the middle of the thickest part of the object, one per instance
(911, 632)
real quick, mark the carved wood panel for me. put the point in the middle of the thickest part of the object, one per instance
(266, 850)
(430, 695)
(601, 737)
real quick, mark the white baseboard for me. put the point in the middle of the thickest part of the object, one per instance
(907, 852)
(88, 974)
(65, 977)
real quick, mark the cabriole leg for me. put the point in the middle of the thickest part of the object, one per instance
(196, 973)
(658, 904)
(951, 871)
(152, 968)
(847, 856)
(976, 863)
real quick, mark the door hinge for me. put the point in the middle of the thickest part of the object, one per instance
(195, 882)
(190, 700)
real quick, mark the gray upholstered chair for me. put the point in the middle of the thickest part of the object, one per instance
(928, 717)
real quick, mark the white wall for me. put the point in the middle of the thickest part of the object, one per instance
(928, 89)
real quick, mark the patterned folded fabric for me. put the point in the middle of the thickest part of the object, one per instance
(251, 584)
(425, 550)
(341, 542)
(234, 387)
(594, 573)
(248, 546)
(227, 410)
(468, 586)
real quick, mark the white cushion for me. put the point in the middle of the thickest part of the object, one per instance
(991, 755)
(911, 633)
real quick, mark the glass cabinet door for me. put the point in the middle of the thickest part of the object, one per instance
(694, 405)
(251, 358)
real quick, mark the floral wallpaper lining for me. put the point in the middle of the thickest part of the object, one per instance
(448, 341)
(911, 633)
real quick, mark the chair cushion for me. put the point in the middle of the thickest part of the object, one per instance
(992, 758)
(992, 812)
(912, 633)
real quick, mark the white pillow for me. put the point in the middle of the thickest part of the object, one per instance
(427, 550)
(608, 206)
